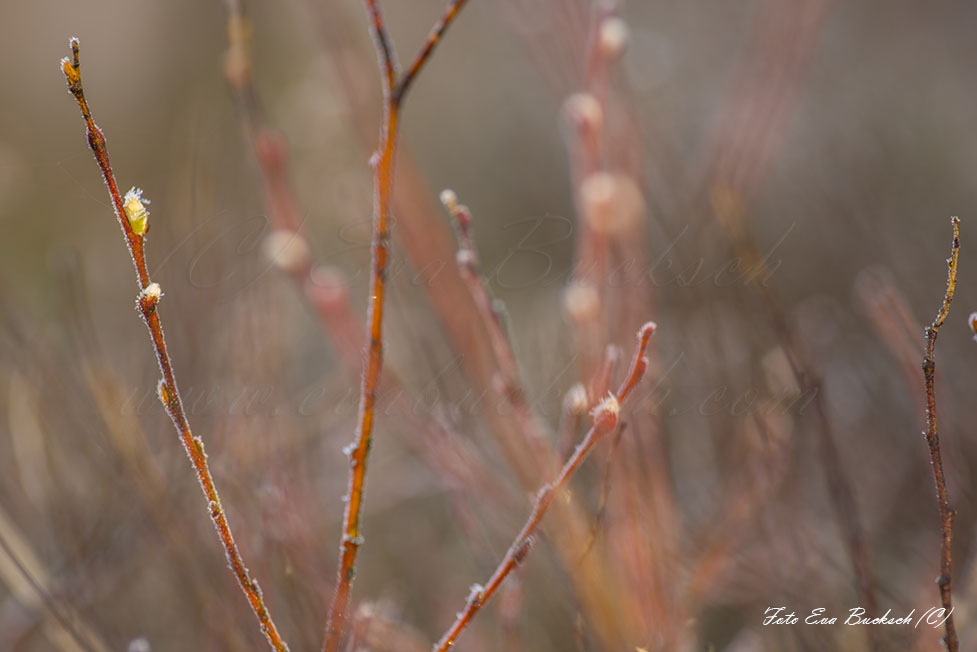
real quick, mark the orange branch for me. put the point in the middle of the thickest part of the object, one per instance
(169, 394)
(383, 161)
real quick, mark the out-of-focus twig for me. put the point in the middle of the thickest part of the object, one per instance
(751, 128)
(324, 288)
(422, 237)
(132, 218)
(606, 417)
(933, 441)
(29, 583)
(608, 291)
(507, 385)
(893, 321)
(379, 632)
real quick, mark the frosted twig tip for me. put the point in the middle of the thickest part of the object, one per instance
(449, 199)
(647, 330)
(70, 64)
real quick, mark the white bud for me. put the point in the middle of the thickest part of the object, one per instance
(287, 250)
(610, 203)
(465, 258)
(583, 111)
(575, 402)
(613, 37)
(153, 292)
(328, 285)
(140, 644)
(581, 301)
(149, 297)
(450, 200)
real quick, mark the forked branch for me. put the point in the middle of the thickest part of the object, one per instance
(424, 53)
(394, 90)
(133, 218)
(606, 417)
(933, 441)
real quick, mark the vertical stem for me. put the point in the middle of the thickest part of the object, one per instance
(383, 161)
(933, 441)
(372, 365)
(169, 393)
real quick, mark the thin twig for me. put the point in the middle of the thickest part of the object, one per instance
(507, 384)
(433, 38)
(841, 491)
(605, 420)
(325, 289)
(169, 393)
(383, 162)
(758, 112)
(933, 440)
(527, 445)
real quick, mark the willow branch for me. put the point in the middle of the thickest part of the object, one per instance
(606, 416)
(383, 162)
(132, 218)
(433, 38)
(933, 441)
(507, 384)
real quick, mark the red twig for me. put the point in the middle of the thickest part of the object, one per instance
(605, 420)
(430, 43)
(756, 115)
(169, 394)
(933, 440)
(325, 289)
(507, 384)
(383, 162)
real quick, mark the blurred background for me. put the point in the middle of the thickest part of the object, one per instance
(770, 182)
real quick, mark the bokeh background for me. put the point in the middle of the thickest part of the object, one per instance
(786, 172)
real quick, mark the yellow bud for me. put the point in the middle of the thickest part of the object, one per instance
(135, 209)
(163, 393)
